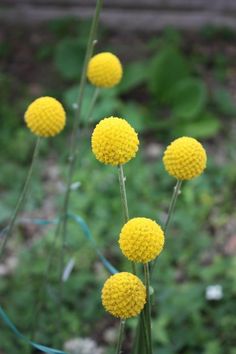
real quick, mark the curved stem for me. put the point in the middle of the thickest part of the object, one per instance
(21, 199)
(121, 336)
(74, 143)
(174, 197)
(73, 146)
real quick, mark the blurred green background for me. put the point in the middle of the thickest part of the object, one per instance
(174, 84)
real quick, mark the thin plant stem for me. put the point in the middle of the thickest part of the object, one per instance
(175, 195)
(124, 202)
(85, 130)
(141, 342)
(123, 193)
(146, 266)
(138, 338)
(74, 144)
(126, 218)
(170, 213)
(93, 103)
(21, 199)
(57, 232)
(148, 306)
(145, 329)
(121, 336)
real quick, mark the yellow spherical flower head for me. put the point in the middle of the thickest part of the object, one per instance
(45, 117)
(124, 295)
(104, 70)
(185, 158)
(141, 240)
(114, 141)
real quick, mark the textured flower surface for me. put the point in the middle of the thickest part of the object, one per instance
(185, 158)
(45, 117)
(104, 70)
(141, 240)
(114, 141)
(124, 295)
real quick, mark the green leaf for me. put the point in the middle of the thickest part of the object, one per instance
(68, 58)
(224, 102)
(188, 98)
(134, 75)
(166, 69)
(208, 126)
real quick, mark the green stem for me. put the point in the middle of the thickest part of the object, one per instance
(21, 199)
(121, 336)
(141, 342)
(138, 338)
(148, 306)
(126, 218)
(73, 146)
(93, 102)
(123, 193)
(145, 330)
(124, 201)
(174, 197)
(74, 143)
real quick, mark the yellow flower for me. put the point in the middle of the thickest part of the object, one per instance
(114, 141)
(141, 240)
(104, 70)
(45, 117)
(124, 295)
(185, 158)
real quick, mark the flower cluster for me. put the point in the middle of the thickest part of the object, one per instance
(104, 70)
(124, 295)
(114, 141)
(141, 240)
(185, 158)
(45, 117)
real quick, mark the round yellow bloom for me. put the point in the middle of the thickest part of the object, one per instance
(45, 117)
(185, 158)
(141, 240)
(104, 70)
(124, 295)
(114, 141)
